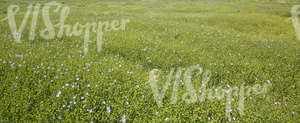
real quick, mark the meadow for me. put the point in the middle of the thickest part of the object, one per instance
(242, 43)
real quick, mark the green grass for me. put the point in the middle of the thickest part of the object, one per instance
(241, 42)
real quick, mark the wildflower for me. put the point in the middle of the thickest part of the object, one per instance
(123, 118)
(108, 109)
(58, 94)
(227, 91)
(166, 119)
(229, 119)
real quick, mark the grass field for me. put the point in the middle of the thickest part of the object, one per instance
(242, 43)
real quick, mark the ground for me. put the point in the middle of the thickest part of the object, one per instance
(243, 44)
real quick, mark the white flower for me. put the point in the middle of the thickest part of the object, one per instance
(208, 118)
(123, 118)
(228, 85)
(58, 94)
(166, 119)
(108, 109)
(156, 113)
(229, 119)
